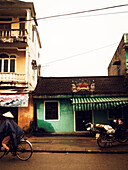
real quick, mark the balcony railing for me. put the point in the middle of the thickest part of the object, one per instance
(11, 35)
(12, 77)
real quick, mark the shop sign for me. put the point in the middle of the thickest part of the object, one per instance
(19, 100)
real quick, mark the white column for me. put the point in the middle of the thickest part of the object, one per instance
(28, 49)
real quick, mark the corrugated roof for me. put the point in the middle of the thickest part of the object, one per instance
(63, 85)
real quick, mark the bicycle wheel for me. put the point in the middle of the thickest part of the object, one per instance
(24, 150)
(2, 152)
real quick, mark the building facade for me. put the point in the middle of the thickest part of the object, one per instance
(119, 63)
(19, 59)
(63, 103)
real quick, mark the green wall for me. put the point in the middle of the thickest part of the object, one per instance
(64, 124)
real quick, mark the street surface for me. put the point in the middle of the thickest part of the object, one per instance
(72, 143)
(66, 161)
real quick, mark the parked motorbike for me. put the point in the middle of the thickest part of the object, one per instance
(107, 134)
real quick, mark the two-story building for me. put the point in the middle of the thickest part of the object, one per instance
(19, 59)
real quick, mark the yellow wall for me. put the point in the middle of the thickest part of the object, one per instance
(15, 25)
(20, 63)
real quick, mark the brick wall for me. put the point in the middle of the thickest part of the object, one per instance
(119, 56)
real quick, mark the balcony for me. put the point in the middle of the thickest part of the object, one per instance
(12, 77)
(13, 35)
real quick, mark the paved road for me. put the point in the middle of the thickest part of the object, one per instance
(72, 144)
(63, 161)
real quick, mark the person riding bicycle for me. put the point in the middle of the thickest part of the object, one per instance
(10, 130)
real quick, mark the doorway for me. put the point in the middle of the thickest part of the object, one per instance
(81, 116)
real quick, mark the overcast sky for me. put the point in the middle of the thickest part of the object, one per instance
(79, 45)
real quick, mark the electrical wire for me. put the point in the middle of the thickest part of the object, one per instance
(79, 12)
(66, 58)
(100, 14)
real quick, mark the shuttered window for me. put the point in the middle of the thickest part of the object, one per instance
(51, 110)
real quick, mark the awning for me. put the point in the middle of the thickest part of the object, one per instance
(17, 100)
(98, 103)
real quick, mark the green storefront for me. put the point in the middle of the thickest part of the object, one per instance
(100, 109)
(61, 105)
(55, 115)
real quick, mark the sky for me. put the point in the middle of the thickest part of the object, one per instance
(82, 44)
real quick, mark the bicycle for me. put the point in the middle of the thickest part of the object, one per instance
(23, 152)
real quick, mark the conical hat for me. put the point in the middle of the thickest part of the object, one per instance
(8, 114)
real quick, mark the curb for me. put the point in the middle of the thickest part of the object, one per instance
(83, 152)
(80, 134)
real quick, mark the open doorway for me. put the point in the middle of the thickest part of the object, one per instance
(80, 116)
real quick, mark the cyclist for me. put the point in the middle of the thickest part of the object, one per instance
(10, 130)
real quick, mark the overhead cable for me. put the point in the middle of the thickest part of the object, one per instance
(66, 58)
(76, 13)
(81, 12)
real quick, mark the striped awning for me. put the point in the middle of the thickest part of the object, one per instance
(98, 103)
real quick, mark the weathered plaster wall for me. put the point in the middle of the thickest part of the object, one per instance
(26, 115)
(113, 70)
(21, 63)
(64, 124)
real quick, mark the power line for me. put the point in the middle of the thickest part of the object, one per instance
(66, 58)
(101, 14)
(79, 12)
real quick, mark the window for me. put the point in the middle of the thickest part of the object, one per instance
(7, 63)
(12, 65)
(51, 111)
(22, 26)
(117, 113)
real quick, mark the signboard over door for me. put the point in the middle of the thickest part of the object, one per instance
(17, 100)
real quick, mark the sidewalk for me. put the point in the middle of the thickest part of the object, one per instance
(73, 144)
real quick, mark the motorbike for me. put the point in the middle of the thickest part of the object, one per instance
(106, 135)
